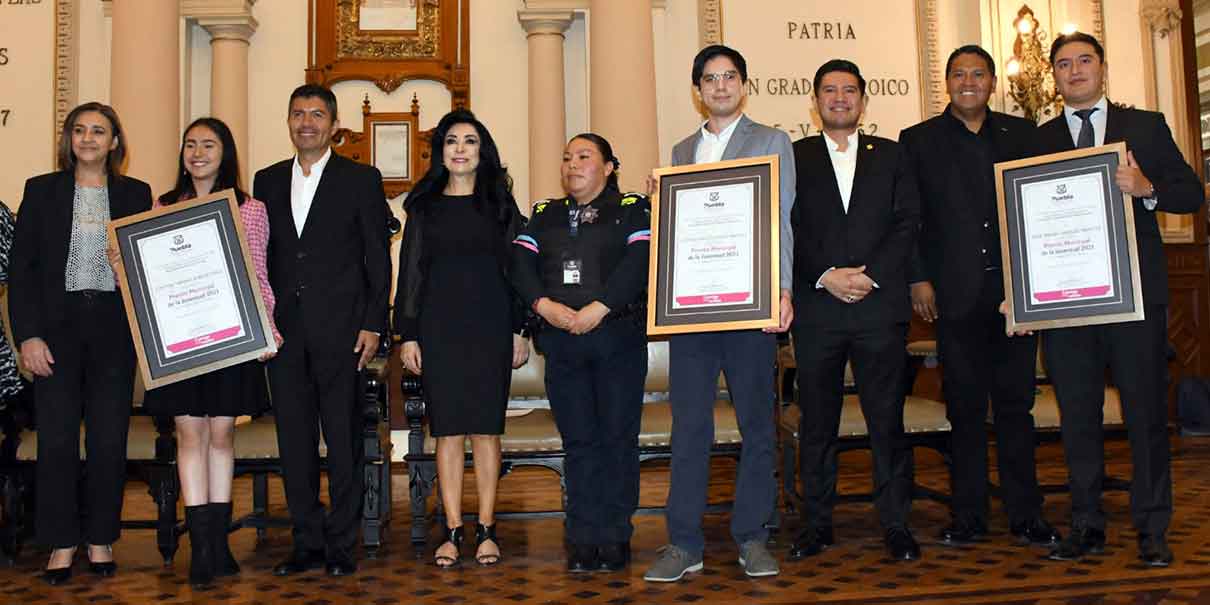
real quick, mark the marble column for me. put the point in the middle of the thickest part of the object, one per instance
(229, 80)
(547, 103)
(145, 86)
(622, 85)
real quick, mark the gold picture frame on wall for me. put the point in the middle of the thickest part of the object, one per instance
(400, 40)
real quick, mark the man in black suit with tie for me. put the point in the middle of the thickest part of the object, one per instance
(854, 230)
(1158, 179)
(330, 269)
(956, 281)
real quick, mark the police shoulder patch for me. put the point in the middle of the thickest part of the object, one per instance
(540, 205)
(632, 198)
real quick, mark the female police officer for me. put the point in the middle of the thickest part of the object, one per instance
(581, 264)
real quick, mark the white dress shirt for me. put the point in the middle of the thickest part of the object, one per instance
(844, 164)
(1097, 118)
(302, 189)
(711, 146)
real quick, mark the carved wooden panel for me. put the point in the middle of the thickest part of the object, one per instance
(1188, 314)
(432, 44)
(359, 146)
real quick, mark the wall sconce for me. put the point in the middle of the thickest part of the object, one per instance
(1031, 82)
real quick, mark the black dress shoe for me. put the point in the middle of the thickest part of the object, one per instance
(1154, 551)
(963, 531)
(900, 544)
(55, 577)
(613, 557)
(582, 558)
(300, 561)
(1037, 532)
(340, 563)
(810, 542)
(1082, 541)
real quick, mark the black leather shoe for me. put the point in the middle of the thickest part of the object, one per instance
(1082, 541)
(900, 544)
(1154, 551)
(963, 531)
(582, 558)
(613, 557)
(1037, 532)
(810, 542)
(340, 563)
(55, 577)
(300, 561)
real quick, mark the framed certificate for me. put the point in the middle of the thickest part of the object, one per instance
(1067, 240)
(714, 247)
(390, 150)
(190, 289)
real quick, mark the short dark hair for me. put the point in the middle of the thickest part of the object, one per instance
(1066, 39)
(313, 91)
(228, 168)
(844, 65)
(970, 49)
(716, 50)
(606, 151)
(116, 156)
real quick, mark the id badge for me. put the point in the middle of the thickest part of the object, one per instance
(571, 271)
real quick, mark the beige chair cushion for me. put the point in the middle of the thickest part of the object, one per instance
(920, 415)
(1046, 408)
(257, 440)
(528, 381)
(536, 431)
(140, 442)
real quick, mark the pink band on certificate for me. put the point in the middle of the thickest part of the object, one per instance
(205, 339)
(1073, 294)
(714, 299)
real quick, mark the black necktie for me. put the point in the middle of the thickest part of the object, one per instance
(1086, 137)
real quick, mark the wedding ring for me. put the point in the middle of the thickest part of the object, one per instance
(849, 298)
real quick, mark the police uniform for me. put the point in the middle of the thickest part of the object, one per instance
(575, 255)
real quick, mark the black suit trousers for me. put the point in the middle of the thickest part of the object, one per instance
(314, 388)
(879, 361)
(978, 362)
(1135, 352)
(93, 382)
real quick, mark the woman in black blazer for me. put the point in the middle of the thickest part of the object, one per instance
(69, 323)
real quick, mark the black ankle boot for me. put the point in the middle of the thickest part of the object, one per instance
(201, 563)
(220, 517)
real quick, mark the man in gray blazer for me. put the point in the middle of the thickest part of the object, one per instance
(746, 357)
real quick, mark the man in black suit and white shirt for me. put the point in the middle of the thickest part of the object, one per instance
(330, 267)
(855, 225)
(957, 282)
(1158, 179)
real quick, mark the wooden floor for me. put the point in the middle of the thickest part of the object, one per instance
(855, 571)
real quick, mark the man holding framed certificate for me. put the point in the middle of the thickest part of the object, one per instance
(746, 357)
(854, 227)
(1158, 179)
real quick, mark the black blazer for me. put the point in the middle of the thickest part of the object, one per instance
(878, 231)
(38, 263)
(951, 223)
(334, 280)
(1177, 189)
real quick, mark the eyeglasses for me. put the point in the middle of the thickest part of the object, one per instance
(726, 77)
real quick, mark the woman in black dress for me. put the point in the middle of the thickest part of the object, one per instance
(71, 328)
(205, 406)
(454, 311)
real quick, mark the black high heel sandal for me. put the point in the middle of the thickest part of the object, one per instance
(483, 533)
(455, 536)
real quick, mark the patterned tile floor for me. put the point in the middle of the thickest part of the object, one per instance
(854, 571)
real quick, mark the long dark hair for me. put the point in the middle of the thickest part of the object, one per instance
(228, 168)
(493, 185)
(117, 155)
(607, 155)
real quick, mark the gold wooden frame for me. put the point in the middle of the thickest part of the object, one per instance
(1006, 247)
(252, 287)
(438, 49)
(770, 317)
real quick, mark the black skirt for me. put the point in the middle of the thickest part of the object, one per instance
(235, 391)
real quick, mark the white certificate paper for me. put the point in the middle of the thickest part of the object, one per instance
(712, 255)
(190, 289)
(391, 149)
(1066, 236)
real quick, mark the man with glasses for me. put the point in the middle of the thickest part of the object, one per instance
(746, 357)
